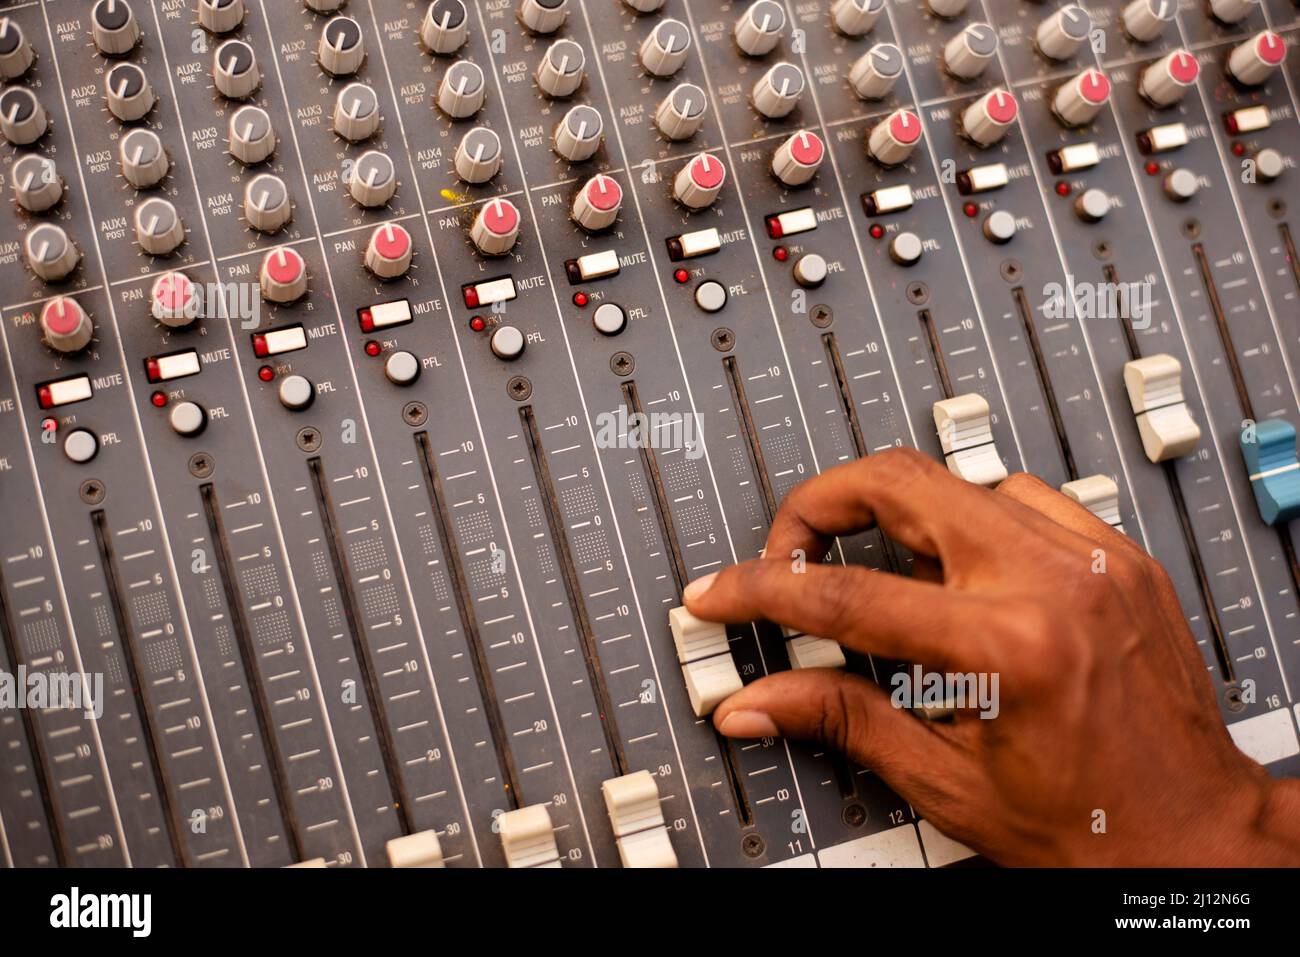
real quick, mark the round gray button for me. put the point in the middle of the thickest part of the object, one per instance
(609, 318)
(1092, 205)
(905, 249)
(81, 446)
(296, 392)
(711, 295)
(1181, 185)
(187, 418)
(402, 368)
(1268, 164)
(507, 343)
(810, 270)
(1000, 226)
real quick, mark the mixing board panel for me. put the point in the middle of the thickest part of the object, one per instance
(377, 373)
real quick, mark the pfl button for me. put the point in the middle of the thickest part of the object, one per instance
(80, 446)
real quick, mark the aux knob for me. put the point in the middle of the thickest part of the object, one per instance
(987, 119)
(854, 18)
(947, 9)
(561, 69)
(664, 50)
(1253, 62)
(65, 327)
(643, 6)
(388, 254)
(37, 183)
(158, 227)
(143, 160)
(597, 203)
(324, 6)
(1145, 20)
(680, 114)
(543, 16)
(50, 253)
(778, 90)
(128, 92)
(373, 180)
(221, 16)
(266, 203)
(893, 139)
(174, 300)
(1232, 11)
(1081, 98)
(283, 276)
(967, 54)
(1164, 82)
(796, 160)
(114, 28)
(16, 53)
(874, 74)
(445, 26)
(759, 28)
(699, 182)
(251, 137)
(235, 71)
(356, 112)
(478, 155)
(1060, 35)
(342, 48)
(462, 90)
(578, 135)
(23, 120)
(495, 228)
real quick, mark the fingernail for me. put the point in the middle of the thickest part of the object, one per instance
(698, 587)
(748, 724)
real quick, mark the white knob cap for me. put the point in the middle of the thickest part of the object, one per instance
(854, 18)
(23, 120)
(561, 69)
(65, 325)
(221, 16)
(1231, 11)
(478, 155)
(356, 112)
(778, 90)
(495, 228)
(796, 160)
(1060, 35)
(578, 135)
(462, 90)
(114, 28)
(810, 270)
(1269, 165)
(664, 49)
(507, 343)
(235, 71)
(643, 6)
(699, 182)
(284, 275)
(1081, 98)
(16, 53)
(609, 319)
(187, 419)
(597, 203)
(128, 92)
(1092, 205)
(388, 254)
(324, 6)
(158, 227)
(1164, 82)
(906, 249)
(142, 157)
(266, 203)
(680, 114)
(1144, 20)
(80, 446)
(50, 253)
(402, 368)
(445, 26)
(296, 392)
(874, 74)
(174, 300)
(37, 183)
(342, 48)
(251, 137)
(1254, 61)
(948, 9)
(373, 179)
(893, 139)
(987, 119)
(759, 28)
(543, 16)
(1180, 185)
(967, 54)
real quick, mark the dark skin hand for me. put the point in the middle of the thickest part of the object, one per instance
(1105, 701)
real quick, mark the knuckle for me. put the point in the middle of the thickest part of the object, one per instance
(837, 725)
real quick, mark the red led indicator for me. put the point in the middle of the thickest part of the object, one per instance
(1152, 168)
(159, 399)
(1062, 189)
(970, 209)
(877, 230)
(373, 348)
(780, 254)
(49, 425)
(478, 324)
(1238, 149)
(681, 275)
(580, 299)
(266, 373)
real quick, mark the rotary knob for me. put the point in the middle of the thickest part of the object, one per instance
(698, 183)
(597, 203)
(235, 71)
(1144, 20)
(478, 155)
(796, 160)
(374, 179)
(664, 50)
(388, 254)
(266, 203)
(37, 183)
(495, 228)
(114, 28)
(128, 92)
(892, 139)
(1254, 61)
(987, 119)
(23, 120)
(158, 227)
(356, 112)
(967, 54)
(778, 90)
(759, 28)
(324, 6)
(251, 137)
(16, 53)
(402, 368)
(507, 343)
(342, 49)
(680, 114)
(562, 68)
(50, 253)
(578, 135)
(65, 326)
(445, 26)
(947, 9)
(296, 392)
(174, 300)
(874, 74)
(284, 275)
(1081, 98)
(462, 90)
(643, 6)
(1092, 205)
(187, 419)
(221, 16)
(854, 18)
(1232, 11)
(1060, 35)
(1164, 82)
(543, 16)
(143, 160)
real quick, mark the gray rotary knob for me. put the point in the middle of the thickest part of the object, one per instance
(16, 53)
(987, 119)
(251, 137)
(643, 6)
(778, 90)
(266, 203)
(65, 327)
(23, 120)
(462, 90)
(296, 392)
(699, 182)
(759, 28)
(128, 92)
(874, 74)
(478, 155)
(561, 69)
(143, 160)
(947, 9)
(401, 368)
(158, 227)
(374, 179)
(388, 254)
(37, 183)
(664, 49)
(893, 139)
(356, 112)
(596, 205)
(445, 26)
(324, 6)
(1232, 11)
(507, 343)
(342, 48)
(1060, 35)
(1165, 82)
(1254, 61)
(797, 160)
(680, 114)
(50, 253)
(495, 228)
(542, 16)
(283, 276)
(114, 28)
(1080, 99)
(234, 70)
(967, 54)
(854, 18)
(174, 300)
(1145, 20)
(578, 135)
(221, 16)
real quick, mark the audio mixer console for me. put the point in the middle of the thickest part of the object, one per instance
(378, 372)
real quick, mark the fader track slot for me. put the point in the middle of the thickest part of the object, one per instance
(737, 386)
(1045, 380)
(1288, 243)
(936, 352)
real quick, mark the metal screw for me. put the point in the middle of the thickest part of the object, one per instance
(855, 815)
(723, 339)
(1232, 697)
(309, 440)
(415, 413)
(519, 388)
(93, 491)
(918, 293)
(622, 363)
(1101, 249)
(201, 465)
(753, 845)
(1192, 228)
(1011, 270)
(821, 316)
